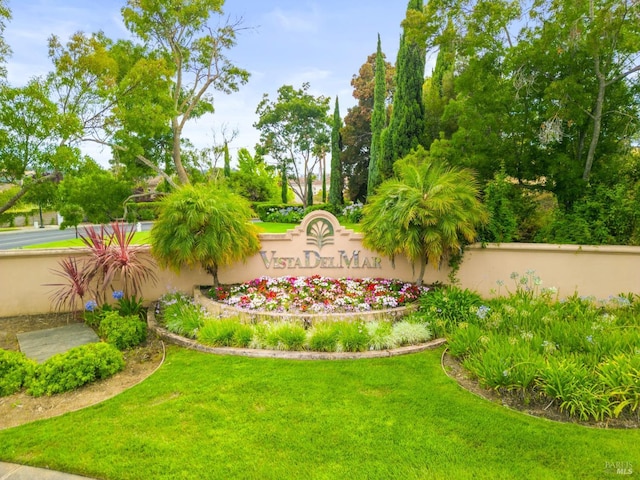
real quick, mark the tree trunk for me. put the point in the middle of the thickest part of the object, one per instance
(213, 271)
(177, 159)
(25, 188)
(423, 267)
(597, 120)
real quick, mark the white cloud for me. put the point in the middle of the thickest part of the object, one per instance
(300, 22)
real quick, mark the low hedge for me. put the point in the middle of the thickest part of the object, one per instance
(16, 371)
(80, 365)
(123, 332)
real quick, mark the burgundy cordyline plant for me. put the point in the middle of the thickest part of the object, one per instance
(112, 258)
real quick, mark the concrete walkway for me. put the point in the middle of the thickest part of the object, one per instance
(42, 344)
(12, 471)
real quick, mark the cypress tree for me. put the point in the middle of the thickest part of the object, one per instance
(378, 121)
(439, 90)
(310, 189)
(227, 161)
(336, 185)
(407, 123)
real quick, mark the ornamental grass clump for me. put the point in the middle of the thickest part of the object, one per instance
(284, 336)
(323, 337)
(225, 332)
(354, 337)
(180, 314)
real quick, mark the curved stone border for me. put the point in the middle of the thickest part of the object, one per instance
(218, 309)
(285, 354)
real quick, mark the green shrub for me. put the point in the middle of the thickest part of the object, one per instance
(285, 336)
(352, 213)
(353, 337)
(279, 212)
(323, 337)
(227, 332)
(77, 367)
(16, 371)
(327, 207)
(447, 306)
(181, 315)
(123, 332)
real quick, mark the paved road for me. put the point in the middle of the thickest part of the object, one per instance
(34, 236)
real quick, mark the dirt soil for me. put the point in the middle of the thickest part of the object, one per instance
(537, 406)
(21, 408)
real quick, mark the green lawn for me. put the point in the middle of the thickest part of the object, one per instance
(143, 237)
(205, 416)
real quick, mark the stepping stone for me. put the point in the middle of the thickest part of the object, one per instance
(42, 344)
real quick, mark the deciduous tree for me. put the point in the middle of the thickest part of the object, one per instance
(292, 130)
(182, 34)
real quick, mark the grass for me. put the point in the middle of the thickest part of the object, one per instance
(139, 238)
(205, 416)
(142, 238)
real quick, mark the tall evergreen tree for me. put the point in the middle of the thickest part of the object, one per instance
(227, 161)
(378, 121)
(439, 90)
(336, 185)
(406, 126)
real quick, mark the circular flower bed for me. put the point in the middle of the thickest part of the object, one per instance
(317, 294)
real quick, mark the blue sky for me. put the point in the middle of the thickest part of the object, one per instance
(323, 42)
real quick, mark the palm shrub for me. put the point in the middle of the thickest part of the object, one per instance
(203, 225)
(426, 213)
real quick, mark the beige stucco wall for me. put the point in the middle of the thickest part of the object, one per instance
(598, 271)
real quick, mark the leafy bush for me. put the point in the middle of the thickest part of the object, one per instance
(16, 371)
(352, 213)
(225, 333)
(77, 367)
(327, 207)
(123, 332)
(445, 307)
(287, 214)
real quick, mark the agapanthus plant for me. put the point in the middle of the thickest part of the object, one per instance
(317, 294)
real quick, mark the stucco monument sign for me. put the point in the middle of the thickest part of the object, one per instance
(327, 245)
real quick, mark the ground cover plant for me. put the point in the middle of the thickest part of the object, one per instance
(207, 416)
(317, 294)
(578, 354)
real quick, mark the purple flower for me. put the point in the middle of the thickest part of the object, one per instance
(90, 306)
(118, 294)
